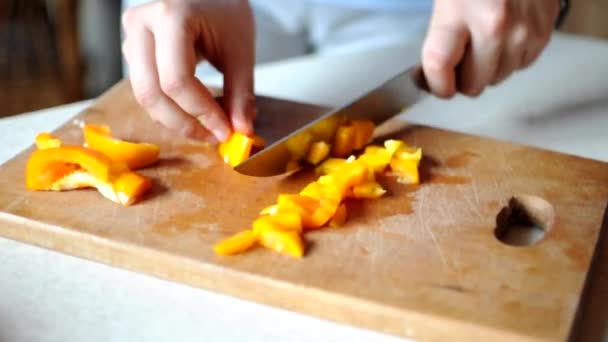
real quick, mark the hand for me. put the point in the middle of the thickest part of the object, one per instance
(475, 43)
(164, 42)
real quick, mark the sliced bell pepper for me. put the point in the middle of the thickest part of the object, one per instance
(326, 129)
(406, 152)
(288, 243)
(129, 186)
(339, 218)
(125, 189)
(237, 243)
(369, 190)
(375, 157)
(346, 176)
(314, 212)
(46, 140)
(391, 145)
(305, 207)
(282, 220)
(330, 165)
(299, 144)
(344, 141)
(320, 203)
(318, 152)
(270, 210)
(135, 155)
(46, 166)
(364, 129)
(236, 149)
(329, 198)
(406, 170)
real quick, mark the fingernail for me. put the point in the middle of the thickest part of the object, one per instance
(221, 134)
(241, 125)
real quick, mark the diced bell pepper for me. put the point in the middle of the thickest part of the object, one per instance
(364, 129)
(406, 170)
(375, 157)
(284, 220)
(339, 218)
(369, 190)
(344, 141)
(46, 140)
(288, 243)
(237, 243)
(318, 152)
(330, 165)
(299, 145)
(236, 149)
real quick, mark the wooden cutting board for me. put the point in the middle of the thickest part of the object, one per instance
(423, 262)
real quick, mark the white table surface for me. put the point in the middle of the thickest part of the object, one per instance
(560, 104)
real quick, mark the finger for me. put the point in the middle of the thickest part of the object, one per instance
(443, 50)
(176, 60)
(531, 55)
(479, 66)
(139, 49)
(513, 54)
(239, 94)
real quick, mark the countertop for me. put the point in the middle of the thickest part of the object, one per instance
(559, 104)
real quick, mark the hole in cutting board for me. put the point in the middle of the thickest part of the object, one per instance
(524, 221)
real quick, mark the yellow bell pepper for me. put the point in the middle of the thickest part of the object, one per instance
(364, 129)
(303, 205)
(369, 190)
(299, 144)
(330, 165)
(237, 243)
(346, 176)
(344, 141)
(391, 145)
(46, 140)
(46, 166)
(60, 168)
(285, 242)
(129, 186)
(282, 220)
(321, 203)
(135, 155)
(125, 189)
(236, 149)
(270, 210)
(406, 170)
(325, 129)
(405, 152)
(339, 218)
(318, 152)
(375, 157)
(329, 198)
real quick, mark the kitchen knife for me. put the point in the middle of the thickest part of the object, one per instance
(378, 105)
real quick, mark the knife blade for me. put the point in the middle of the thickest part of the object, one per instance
(378, 105)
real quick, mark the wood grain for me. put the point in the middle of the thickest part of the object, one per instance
(422, 262)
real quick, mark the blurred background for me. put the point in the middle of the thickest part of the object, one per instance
(54, 52)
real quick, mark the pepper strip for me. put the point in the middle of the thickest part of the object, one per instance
(46, 166)
(135, 155)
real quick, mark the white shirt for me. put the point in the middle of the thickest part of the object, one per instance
(392, 5)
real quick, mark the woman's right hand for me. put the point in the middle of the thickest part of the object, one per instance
(164, 42)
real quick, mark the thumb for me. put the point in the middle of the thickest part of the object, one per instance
(239, 98)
